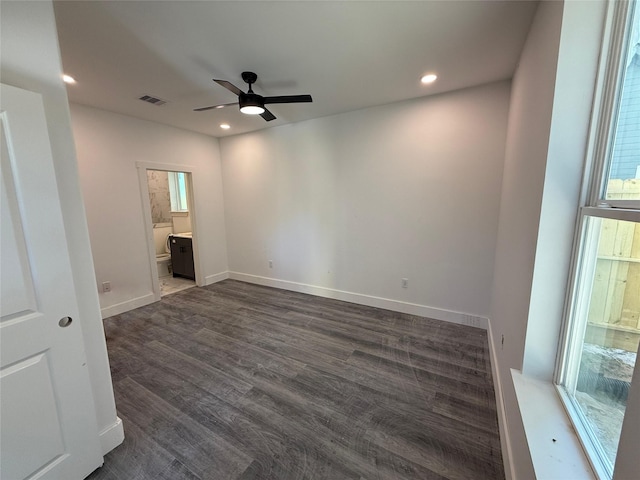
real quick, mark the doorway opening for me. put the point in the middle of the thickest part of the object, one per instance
(172, 229)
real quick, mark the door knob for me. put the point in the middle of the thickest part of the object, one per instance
(65, 321)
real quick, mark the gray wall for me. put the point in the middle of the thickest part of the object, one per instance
(356, 202)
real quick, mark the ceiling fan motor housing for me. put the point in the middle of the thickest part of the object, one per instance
(250, 100)
(249, 77)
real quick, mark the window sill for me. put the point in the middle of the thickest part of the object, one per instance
(545, 420)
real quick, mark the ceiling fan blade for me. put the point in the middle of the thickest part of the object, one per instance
(202, 109)
(229, 86)
(288, 99)
(267, 115)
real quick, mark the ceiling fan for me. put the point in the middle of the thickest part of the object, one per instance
(251, 103)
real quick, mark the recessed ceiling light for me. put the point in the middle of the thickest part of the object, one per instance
(68, 79)
(225, 126)
(429, 78)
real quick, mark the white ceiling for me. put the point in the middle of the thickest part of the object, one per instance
(347, 54)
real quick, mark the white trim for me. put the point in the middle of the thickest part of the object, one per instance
(369, 300)
(143, 183)
(622, 203)
(215, 278)
(607, 98)
(545, 420)
(138, 302)
(166, 167)
(122, 307)
(605, 115)
(505, 439)
(146, 210)
(614, 213)
(112, 436)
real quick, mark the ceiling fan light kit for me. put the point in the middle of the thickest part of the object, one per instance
(252, 109)
(253, 104)
(250, 104)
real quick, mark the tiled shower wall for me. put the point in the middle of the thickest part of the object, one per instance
(159, 196)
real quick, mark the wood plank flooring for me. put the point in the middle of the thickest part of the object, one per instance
(238, 381)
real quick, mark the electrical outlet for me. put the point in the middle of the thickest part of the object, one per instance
(405, 283)
(270, 263)
(106, 287)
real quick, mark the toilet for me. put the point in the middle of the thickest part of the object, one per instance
(161, 232)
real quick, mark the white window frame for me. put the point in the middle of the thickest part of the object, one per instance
(603, 128)
(613, 65)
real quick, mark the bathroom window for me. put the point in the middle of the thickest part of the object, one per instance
(178, 192)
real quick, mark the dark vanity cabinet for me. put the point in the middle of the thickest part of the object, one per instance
(182, 257)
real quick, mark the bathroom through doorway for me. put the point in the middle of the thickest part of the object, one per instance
(171, 225)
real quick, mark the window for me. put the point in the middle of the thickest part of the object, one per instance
(603, 312)
(178, 192)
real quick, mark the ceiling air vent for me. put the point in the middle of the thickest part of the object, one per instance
(152, 100)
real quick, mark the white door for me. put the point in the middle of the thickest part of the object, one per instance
(47, 412)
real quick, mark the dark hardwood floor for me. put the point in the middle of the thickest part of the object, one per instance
(238, 381)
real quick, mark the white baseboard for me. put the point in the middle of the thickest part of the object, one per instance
(112, 436)
(138, 302)
(122, 307)
(218, 277)
(368, 300)
(505, 441)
